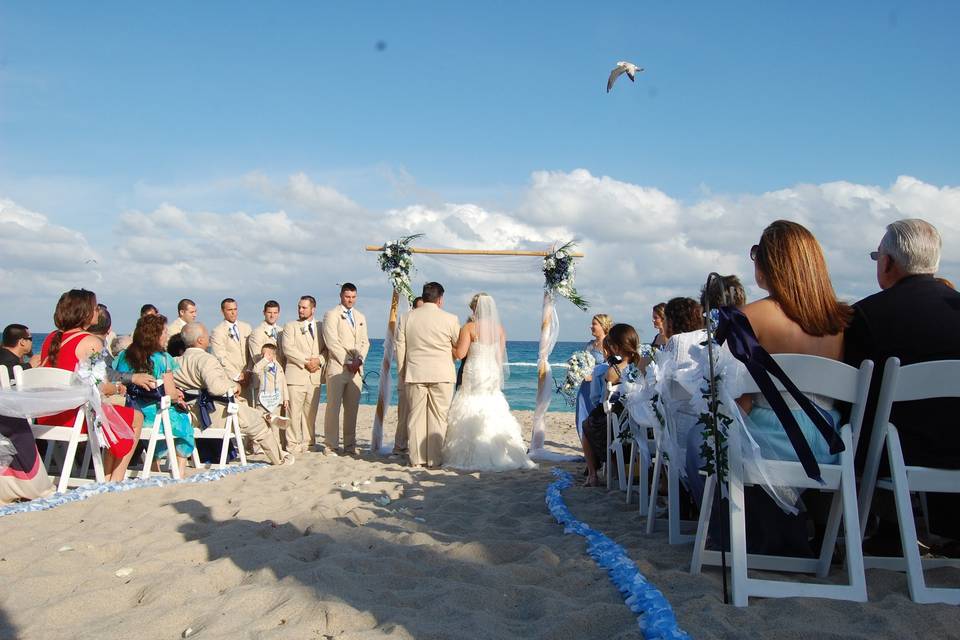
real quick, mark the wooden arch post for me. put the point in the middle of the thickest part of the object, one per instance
(542, 371)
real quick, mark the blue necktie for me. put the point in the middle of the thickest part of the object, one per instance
(350, 317)
(234, 332)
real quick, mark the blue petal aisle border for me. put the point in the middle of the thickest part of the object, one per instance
(656, 617)
(86, 491)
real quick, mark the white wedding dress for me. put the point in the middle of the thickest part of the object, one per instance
(482, 434)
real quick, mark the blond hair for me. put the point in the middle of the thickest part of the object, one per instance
(605, 321)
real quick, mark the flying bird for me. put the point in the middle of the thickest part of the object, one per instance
(90, 261)
(623, 67)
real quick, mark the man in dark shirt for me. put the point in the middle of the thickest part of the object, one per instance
(17, 343)
(916, 318)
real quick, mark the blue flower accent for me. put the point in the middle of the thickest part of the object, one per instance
(656, 616)
(87, 491)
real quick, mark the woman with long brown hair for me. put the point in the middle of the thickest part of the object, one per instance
(146, 355)
(623, 345)
(801, 315)
(65, 348)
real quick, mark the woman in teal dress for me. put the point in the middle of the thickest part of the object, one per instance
(146, 355)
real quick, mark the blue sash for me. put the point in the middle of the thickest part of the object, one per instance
(734, 329)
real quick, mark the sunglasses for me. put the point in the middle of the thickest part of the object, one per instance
(754, 250)
(874, 255)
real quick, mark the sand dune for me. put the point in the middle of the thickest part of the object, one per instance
(363, 548)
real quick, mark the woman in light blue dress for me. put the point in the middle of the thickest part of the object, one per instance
(146, 355)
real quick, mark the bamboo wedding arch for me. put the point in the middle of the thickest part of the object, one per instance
(548, 321)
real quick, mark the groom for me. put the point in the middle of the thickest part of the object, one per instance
(425, 354)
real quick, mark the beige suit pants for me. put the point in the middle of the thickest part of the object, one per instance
(428, 403)
(402, 434)
(254, 426)
(342, 389)
(304, 404)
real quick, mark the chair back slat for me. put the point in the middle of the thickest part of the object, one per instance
(813, 374)
(923, 380)
(40, 377)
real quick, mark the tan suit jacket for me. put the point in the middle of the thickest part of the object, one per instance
(202, 370)
(342, 339)
(231, 353)
(425, 345)
(176, 326)
(263, 334)
(298, 347)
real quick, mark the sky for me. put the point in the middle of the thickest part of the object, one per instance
(157, 151)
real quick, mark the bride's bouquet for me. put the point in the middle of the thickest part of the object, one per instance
(579, 366)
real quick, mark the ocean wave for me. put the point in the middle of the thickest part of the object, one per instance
(560, 365)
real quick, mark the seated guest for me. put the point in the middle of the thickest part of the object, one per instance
(23, 477)
(103, 329)
(17, 345)
(65, 348)
(659, 340)
(801, 315)
(915, 318)
(149, 310)
(727, 291)
(146, 355)
(624, 363)
(682, 328)
(200, 370)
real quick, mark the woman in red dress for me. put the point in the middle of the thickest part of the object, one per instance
(64, 349)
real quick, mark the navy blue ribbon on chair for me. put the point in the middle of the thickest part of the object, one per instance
(205, 404)
(734, 329)
(141, 396)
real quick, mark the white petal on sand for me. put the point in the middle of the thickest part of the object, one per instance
(284, 553)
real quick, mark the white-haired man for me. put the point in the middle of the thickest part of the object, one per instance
(916, 318)
(201, 370)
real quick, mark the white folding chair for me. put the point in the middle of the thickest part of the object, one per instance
(640, 455)
(830, 379)
(672, 467)
(229, 431)
(4, 378)
(152, 435)
(614, 446)
(938, 379)
(69, 434)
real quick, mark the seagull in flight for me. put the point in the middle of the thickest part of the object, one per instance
(623, 67)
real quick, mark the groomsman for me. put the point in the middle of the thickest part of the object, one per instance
(267, 332)
(228, 342)
(186, 313)
(345, 337)
(303, 347)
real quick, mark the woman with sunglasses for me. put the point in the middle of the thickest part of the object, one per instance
(801, 314)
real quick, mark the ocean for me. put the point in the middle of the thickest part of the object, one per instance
(520, 388)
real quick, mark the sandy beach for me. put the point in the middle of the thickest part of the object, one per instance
(365, 547)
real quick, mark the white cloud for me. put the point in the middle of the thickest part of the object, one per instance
(37, 256)
(642, 245)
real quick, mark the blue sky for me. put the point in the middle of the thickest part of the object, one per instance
(107, 108)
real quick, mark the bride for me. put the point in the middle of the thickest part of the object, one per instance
(482, 434)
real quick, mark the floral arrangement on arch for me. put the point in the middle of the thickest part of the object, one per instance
(397, 262)
(579, 366)
(558, 273)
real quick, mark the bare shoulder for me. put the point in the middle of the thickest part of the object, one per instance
(89, 344)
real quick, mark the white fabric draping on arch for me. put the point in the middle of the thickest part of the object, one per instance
(385, 387)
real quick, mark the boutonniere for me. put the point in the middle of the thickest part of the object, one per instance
(343, 314)
(303, 329)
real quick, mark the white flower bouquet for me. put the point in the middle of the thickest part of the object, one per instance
(558, 273)
(579, 366)
(396, 261)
